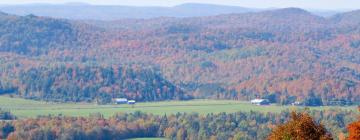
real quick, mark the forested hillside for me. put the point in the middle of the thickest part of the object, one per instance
(289, 54)
(34, 35)
(87, 83)
(180, 126)
(285, 55)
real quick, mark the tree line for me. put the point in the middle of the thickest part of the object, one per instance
(181, 126)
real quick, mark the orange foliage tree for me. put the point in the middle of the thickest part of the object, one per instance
(354, 130)
(301, 126)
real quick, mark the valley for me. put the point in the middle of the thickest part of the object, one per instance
(215, 57)
(79, 72)
(30, 109)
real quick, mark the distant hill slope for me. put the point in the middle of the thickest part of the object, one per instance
(32, 34)
(89, 83)
(288, 53)
(216, 32)
(352, 17)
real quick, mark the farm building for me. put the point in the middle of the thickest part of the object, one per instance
(121, 100)
(260, 102)
(297, 103)
(131, 102)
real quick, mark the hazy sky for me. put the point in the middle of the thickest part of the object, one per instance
(309, 4)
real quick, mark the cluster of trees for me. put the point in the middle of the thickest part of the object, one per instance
(89, 83)
(6, 115)
(300, 126)
(354, 130)
(181, 126)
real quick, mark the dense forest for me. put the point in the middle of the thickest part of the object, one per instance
(285, 55)
(287, 52)
(87, 83)
(180, 126)
(35, 35)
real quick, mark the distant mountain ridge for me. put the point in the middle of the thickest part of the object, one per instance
(279, 20)
(83, 11)
(106, 12)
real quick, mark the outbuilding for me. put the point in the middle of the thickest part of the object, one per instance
(297, 103)
(131, 102)
(260, 101)
(121, 100)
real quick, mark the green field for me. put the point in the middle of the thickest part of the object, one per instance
(29, 108)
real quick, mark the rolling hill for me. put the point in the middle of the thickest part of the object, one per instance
(32, 34)
(288, 53)
(90, 83)
(83, 11)
(285, 55)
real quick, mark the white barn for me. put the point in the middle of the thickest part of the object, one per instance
(260, 101)
(121, 100)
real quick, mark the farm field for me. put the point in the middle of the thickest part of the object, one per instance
(29, 108)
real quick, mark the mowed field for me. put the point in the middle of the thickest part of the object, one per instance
(29, 108)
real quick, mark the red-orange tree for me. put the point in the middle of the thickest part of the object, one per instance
(354, 130)
(301, 126)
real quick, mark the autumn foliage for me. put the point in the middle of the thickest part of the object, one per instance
(301, 126)
(285, 55)
(354, 130)
(191, 126)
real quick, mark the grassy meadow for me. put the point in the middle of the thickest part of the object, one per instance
(29, 108)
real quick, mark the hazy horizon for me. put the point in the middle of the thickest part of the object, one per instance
(305, 4)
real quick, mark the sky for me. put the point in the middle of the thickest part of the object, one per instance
(307, 4)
